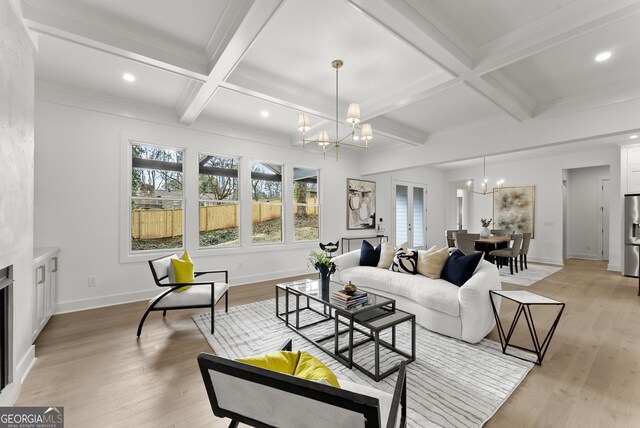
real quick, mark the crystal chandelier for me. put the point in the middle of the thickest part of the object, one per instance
(484, 191)
(353, 117)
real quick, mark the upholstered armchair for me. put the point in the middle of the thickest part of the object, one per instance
(197, 294)
(263, 398)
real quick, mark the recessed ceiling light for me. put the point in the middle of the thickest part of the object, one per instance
(603, 56)
(264, 113)
(633, 137)
(129, 77)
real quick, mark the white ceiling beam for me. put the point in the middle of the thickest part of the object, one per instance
(398, 133)
(233, 49)
(576, 126)
(45, 22)
(542, 34)
(409, 95)
(417, 30)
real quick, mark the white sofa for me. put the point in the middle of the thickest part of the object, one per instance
(461, 312)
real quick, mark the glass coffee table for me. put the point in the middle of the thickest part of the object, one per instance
(378, 314)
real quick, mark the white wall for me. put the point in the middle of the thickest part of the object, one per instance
(584, 236)
(434, 181)
(546, 174)
(16, 184)
(78, 199)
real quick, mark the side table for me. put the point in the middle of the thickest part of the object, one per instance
(525, 300)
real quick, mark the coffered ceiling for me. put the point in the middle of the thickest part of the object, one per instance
(419, 68)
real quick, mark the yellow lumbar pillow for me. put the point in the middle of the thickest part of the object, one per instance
(299, 364)
(311, 368)
(183, 268)
(279, 361)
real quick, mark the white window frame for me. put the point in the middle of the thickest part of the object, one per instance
(237, 203)
(283, 205)
(294, 204)
(126, 254)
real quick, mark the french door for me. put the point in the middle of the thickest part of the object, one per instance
(410, 213)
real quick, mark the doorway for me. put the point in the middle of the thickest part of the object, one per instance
(604, 217)
(587, 212)
(410, 214)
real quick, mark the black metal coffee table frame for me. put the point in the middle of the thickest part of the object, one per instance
(371, 316)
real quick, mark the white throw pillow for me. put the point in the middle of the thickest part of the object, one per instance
(430, 263)
(405, 262)
(387, 253)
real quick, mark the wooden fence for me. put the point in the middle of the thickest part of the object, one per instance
(158, 223)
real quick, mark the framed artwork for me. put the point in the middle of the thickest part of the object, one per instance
(514, 209)
(361, 204)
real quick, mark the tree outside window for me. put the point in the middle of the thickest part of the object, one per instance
(218, 199)
(266, 210)
(305, 208)
(157, 198)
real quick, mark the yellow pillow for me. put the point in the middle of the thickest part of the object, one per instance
(311, 368)
(183, 268)
(279, 361)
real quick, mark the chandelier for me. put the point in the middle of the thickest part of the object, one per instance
(484, 191)
(353, 117)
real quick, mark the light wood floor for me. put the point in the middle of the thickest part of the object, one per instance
(91, 363)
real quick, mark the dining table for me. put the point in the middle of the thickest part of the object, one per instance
(490, 243)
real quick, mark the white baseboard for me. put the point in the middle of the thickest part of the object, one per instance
(11, 392)
(102, 301)
(119, 299)
(614, 268)
(547, 260)
(583, 256)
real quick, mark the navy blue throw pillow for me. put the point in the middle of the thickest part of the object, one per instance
(459, 268)
(369, 256)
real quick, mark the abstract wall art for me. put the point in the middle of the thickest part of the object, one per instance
(514, 209)
(361, 204)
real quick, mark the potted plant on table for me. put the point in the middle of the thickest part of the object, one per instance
(324, 266)
(485, 232)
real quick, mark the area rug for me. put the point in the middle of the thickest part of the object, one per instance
(451, 383)
(527, 277)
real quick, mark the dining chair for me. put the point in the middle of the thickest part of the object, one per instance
(465, 242)
(526, 240)
(451, 236)
(512, 253)
(500, 232)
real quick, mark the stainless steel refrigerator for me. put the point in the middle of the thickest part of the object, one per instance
(631, 234)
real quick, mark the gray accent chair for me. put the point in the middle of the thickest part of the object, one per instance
(512, 253)
(526, 240)
(465, 242)
(200, 294)
(264, 398)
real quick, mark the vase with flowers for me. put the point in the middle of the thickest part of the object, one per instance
(324, 266)
(486, 222)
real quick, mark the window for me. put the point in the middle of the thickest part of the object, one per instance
(266, 209)
(306, 224)
(218, 198)
(157, 199)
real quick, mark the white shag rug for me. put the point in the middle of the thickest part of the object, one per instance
(527, 277)
(451, 383)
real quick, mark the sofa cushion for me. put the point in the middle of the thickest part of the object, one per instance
(431, 262)
(436, 294)
(460, 267)
(369, 256)
(405, 262)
